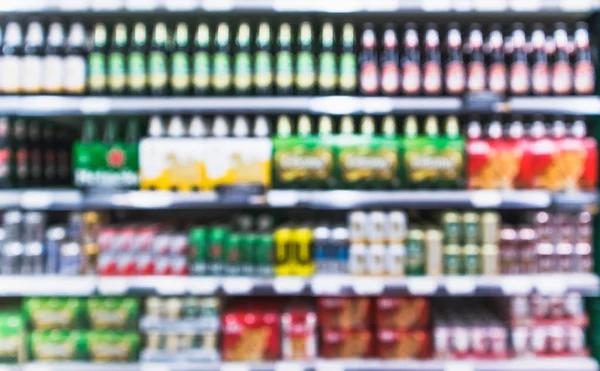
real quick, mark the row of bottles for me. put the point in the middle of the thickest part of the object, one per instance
(244, 60)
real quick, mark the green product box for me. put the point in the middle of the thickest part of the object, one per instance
(108, 346)
(58, 345)
(54, 313)
(366, 160)
(217, 239)
(12, 338)
(113, 313)
(87, 155)
(303, 161)
(198, 240)
(432, 161)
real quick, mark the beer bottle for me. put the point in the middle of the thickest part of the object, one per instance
(325, 126)
(456, 78)
(221, 78)
(261, 127)
(242, 78)
(497, 71)
(585, 78)
(20, 152)
(85, 155)
(130, 172)
(220, 127)
(180, 61)
(476, 73)
(284, 75)
(137, 79)
(348, 69)
(347, 126)
(411, 66)
(54, 69)
(519, 68)
(328, 74)
(432, 70)
(12, 50)
(369, 69)
(284, 127)
(158, 60)
(49, 150)
(176, 127)
(5, 153)
(540, 78)
(305, 61)
(241, 127)
(113, 155)
(197, 127)
(390, 63)
(75, 63)
(201, 61)
(388, 127)
(562, 75)
(156, 127)
(97, 76)
(32, 60)
(117, 66)
(411, 127)
(263, 61)
(34, 147)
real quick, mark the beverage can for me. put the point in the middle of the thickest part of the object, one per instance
(451, 225)
(357, 263)
(397, 226)
(472, 259)
(71, 258)
(471, 228)
(415, 253)
(339, 244)
(231, 254)
(452, 260)
(434, 251)
(54, 238)
(490, 260)
(199, 250)
(490, 228)
(324, 256)
(377, 228)
(376, 260)
(358, 226)
(395, 257)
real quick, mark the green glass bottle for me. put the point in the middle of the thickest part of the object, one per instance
(131, 146)
(117, 66)
(328, 75)
(97, 80)
(305, 61)
(180, 61)
(221, 71)
(242, 79)
(113, 154)
(158, 60)
(263, 61)
(348, 61)
(202, 72)
(284, 63)
(137, 76)
(85, 155)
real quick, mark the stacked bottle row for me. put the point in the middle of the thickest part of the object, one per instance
(374, 243)
(367, 152)
(264, 59)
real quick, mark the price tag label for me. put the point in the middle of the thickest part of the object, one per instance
(377, 105)
(289, 6)
(463, 5)
(345, 6)
(422, 285)
(516, 285)
(551, 286)
(576, 6)
(491, 6)
(107, 4)
(181, 5)
(150, 199)
(289, 285)
(202, 285)
(64, 286)
(486, 199)
(14, 285)
(36, 367)
(95, 106)
(460, 285)
(381, 5)
(289, 366)
(218, 5)
(171, 286)
(436, 5)
(283, 198)
(235, 366)
(525, 6)
(327, 285)
(335, 105)
(142, 4)
(145, 366)
(368, 286)
(73, 5)
(36, 200)
(459, 366)
(238, 286)
(113, 286)
(329, 366)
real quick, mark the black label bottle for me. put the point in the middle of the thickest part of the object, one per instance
(158, 59)
(456, 78)
(75, 61)
(201, 63)
(369, 62)
(32, 59)
(180, 61)
(263, 60)
(97, 69)
(117, 61)
(390, 63)
(411, 63)
(432, 69)
(284, 61)
(137, 74)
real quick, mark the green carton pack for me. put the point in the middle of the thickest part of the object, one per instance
(58, 345)
(54, 313)
(107, 346)
(113, 313)
(12, 338)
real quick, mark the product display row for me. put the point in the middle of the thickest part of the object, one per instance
(264, 59)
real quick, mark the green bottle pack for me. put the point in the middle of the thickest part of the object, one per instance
(108, 346)
(367, 160)
(113, 313)
(58, 345)
(54, 313)
(12, 338)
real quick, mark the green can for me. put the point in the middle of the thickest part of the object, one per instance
(472, 259)
(264, 255)
(231, 254)
(451, 224)
(247, 252)
(216, 242)
(452, 259)
(199, 250)
(471, 228)
(415, 253)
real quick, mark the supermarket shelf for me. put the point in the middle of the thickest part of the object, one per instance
(64, 199)
(346, 6)
(334, 105)
(546, 284)
(536, 364)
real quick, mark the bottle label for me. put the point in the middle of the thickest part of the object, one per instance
(432, 78)
(584, 77)
(455, 77)
(243, 72)
(540, 80)
(519, 78)
(180, 71)
(75, 74)
(369, 77)
(411, 78)
(263, 74)
(53, 75)
(157, 65)
(117, 76)
(498, 78)
(476, 77)
(4, 163)
(390, 78)
(221, 71)
(22, 157)
(11, 74)
(348, 71)
(285, 69)
(305, 78)
(201, 70)
(32, 74)
(561, 78)
(137, 71)
(327, 71)
(97, 67)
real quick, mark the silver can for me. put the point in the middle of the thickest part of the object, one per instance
(434, 252)
(377, 232)
(357, 262)
(395, 256)
(357, 222)
(376, 260)
(397, 226)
